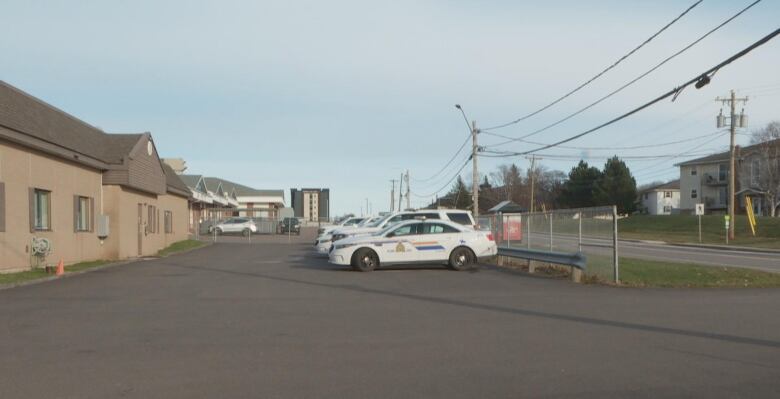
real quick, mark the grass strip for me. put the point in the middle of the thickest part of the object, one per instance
(180, 246)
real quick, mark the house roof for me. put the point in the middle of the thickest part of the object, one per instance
(173, 182)
(672, 185)
(723, 156)
(190, 180)
(35, 118)
(241, 190)
(506, 206)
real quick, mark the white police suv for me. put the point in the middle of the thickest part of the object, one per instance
(415, 241)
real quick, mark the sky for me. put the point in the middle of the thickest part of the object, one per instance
(350, 94)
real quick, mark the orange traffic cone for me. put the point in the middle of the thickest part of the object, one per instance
(60, 268)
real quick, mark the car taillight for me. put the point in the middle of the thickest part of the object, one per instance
(489, 236)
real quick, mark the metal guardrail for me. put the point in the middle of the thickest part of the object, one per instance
(577, 259)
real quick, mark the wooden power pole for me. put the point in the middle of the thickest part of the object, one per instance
(736, 121)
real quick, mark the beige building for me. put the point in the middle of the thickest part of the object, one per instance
(706, 180)
(92, 195)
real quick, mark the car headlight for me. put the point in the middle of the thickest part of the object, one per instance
(342, 246)
(324, 240)
(339, 237)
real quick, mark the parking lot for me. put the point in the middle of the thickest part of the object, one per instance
(270, 320)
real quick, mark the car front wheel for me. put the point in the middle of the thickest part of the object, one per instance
(246, 232)
(365, 260)
(461, 259)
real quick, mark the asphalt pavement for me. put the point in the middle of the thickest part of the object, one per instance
(268, 320)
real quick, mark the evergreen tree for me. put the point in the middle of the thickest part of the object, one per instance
(616, 186)
(460, 195)
(578, 190)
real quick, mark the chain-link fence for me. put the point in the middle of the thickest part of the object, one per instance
(592, 231)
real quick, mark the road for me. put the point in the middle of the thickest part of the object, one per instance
(266, 320)
(664, 252)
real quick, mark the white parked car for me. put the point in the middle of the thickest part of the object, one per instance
(245, 226)
(323, 241)
(415, 241)
(351, 221)
(453, 215)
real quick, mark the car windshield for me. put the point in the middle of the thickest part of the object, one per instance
(381, 220)
(386, 229)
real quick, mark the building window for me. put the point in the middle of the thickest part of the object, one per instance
(41, 209)
(151, 216)
(82, 213)
(755, 172)
(694, 194)
(667, 209)
(693, 171)
(647, 195)
(168, 222)
(667, 194)
(723, 197)
(723, 172)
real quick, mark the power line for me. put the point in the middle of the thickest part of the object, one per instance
(618, 90)
(460, 149)
(599, 74)
(446, 184)
(684, 153)
(635, 147)
(700, 81)
(470, 136)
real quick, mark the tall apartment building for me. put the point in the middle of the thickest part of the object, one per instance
(310, 204)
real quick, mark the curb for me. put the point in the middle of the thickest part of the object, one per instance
(67, 275)
(706, 246)
(727, 248)
(94, 269)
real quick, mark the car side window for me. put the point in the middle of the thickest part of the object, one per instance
(435, 228)
(460, 218)
(429, 215)
(406, 230)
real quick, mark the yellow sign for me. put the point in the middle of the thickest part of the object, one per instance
(750, 214)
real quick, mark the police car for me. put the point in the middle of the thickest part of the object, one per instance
(415, 241)
(351, 221)
(325, 241)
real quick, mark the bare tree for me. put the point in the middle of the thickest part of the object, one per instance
(761, 168)
(508, 179)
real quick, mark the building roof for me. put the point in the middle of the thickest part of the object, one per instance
(724, 156)
(173, 182)
(26, 114)
(191, 180)
(507, 207)
(241, 190)
(672, 185)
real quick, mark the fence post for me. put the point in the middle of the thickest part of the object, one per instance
(615, 244)
(579, 233)
(551, 230)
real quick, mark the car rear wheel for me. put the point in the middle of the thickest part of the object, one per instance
(461, 259)
(219, 231)
(365, 260)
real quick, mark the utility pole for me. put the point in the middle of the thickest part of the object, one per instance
(408, 204)
(400, 191)
(736, 121)
(532, 172)
(392, 196)
(475, 169)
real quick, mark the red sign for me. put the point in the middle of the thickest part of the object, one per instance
(513, 229)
